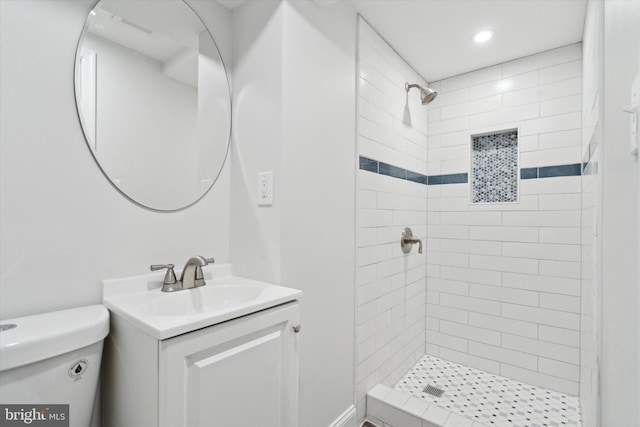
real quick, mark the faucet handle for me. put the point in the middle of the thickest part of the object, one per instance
(170, 282)
(199, 276)
(210, 260)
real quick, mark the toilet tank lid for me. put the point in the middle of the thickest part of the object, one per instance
(47, 335)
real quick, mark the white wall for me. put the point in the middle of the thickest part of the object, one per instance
(591, 289)
(620, 370)
(390, 286)
(503, 285)
(64, 227)
(294, 94)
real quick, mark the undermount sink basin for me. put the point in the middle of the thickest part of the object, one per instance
(164, 315)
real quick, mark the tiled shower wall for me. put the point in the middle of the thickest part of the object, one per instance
(503, 285)
(390, 295)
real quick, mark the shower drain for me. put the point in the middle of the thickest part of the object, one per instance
(434, 391)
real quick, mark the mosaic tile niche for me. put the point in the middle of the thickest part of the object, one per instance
(494, 177)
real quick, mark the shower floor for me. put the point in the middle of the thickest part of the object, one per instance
(489, 399)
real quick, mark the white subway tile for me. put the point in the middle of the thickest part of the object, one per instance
(373, 290)
(366, 349)
(505, 115)
(501, 263)
(542, 93)
(486, 277)
(471, 247)
(560, 302)
(553, 351)
(526, 203)
(391, 415)
(452, 97)
(568, 104)
(448, 204)
(508, 234)
(455, 166)
(488, 103)
(448, 286)
(521, 81)
(564, 370)
(531, 282)
(471, 79)
(374, 218)
(449, 153)
(562, 184)
(497, 323)
(528, 143)
(470, 332)
(447, 313)
(498, 293)
(559, 202)
(567, 138)
(367, 128)
(552, 157)
(541, 315)
(447, 340)
(540, 379)
(472, 218)
(367, 237)
(450, 259)
(559, 335)
(373, 181)
(543, 60)
(503, 355)
(565, 269)
(470, 304)
(448, 231)
(561, 72)
(551, 124)
(450, 125)
(542, 219)
(367, 199)
(367, 274)
(366, 311)
(542, 251)
(455, 138)
(470, 360)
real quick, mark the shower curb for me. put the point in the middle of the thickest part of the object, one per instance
(386, 406)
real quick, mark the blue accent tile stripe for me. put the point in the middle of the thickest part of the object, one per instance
(368, 164)
(390, 170)
(454, 178)
(528, 173)
(562, 170)
(462, 178)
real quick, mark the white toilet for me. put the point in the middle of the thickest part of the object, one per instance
(54, 358)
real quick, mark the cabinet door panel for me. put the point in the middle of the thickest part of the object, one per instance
(241, 373)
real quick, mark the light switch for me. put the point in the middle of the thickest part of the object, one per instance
(265, 188)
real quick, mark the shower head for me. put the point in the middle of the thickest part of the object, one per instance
(426, 95)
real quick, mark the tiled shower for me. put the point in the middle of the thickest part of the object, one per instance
(489, 176)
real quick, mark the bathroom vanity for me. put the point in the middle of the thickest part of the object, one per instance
(222, 354)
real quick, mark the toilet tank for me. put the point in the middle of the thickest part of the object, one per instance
(53, 359)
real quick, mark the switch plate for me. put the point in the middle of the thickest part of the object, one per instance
(265, 188)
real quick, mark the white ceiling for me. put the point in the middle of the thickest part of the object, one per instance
(436, 36)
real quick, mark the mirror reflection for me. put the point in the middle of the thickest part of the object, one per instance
(153, 99)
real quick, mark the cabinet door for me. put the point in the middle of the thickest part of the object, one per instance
(237, 374)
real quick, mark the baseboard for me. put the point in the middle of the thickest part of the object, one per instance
(346, 419)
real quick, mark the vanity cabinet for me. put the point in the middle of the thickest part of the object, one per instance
(243, 372)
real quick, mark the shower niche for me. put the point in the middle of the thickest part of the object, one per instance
(494, 167)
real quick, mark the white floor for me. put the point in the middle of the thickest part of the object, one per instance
(489, 399)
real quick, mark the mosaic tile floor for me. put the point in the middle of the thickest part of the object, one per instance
(489, 399)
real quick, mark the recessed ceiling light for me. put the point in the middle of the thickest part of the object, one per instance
(482, 36)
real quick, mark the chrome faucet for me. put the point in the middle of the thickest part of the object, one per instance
(191, 277)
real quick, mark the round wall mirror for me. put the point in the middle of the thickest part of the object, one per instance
(153, 99)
